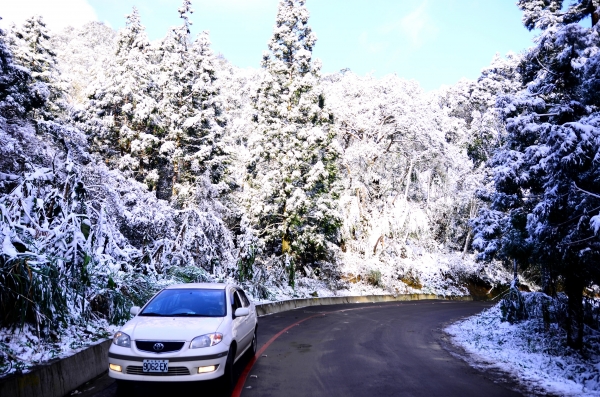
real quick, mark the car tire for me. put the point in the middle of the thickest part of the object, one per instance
(253, 345)
(125, 388)
(227, 378)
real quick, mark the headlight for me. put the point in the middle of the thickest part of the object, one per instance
(206, 340)
(122, 339)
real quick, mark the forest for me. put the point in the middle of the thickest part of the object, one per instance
(127, 165)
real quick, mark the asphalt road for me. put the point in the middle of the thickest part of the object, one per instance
(387, 349)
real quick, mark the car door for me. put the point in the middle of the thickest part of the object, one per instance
(242, 324)
(239, 325)
(252, 316)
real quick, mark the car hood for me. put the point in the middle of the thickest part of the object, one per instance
(170, 328)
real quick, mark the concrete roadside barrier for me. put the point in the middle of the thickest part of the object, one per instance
(59, 377)
(263, 309)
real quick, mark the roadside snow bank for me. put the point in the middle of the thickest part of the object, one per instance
(421, 271)
(532, 351)
(22, 349)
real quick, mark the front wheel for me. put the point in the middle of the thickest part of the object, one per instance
(227, 378)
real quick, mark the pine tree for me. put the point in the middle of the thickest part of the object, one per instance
(160, 113)
(174, 82)
(547, 176)
(31, 48)
(203, 149)
(189, 108)
(16, 94)
(123, 97)
(293, 174)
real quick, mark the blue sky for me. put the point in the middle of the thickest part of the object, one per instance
(434, 41)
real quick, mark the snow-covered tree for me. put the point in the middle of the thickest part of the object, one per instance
(31, 48)
(121, 110)
(83, 56)
(160, 116)
(17, 95)
(546, 175)
(81, 242)
(293, 175)
(475, 103)
(174, 77)
(189, 116)
(406, 187)
(201, 143)
(237, 87)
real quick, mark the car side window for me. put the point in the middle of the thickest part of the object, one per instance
(244, 298)
(235, 302)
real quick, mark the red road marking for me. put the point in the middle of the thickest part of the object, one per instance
(242, 379)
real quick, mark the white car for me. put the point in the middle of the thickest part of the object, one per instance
(186, 332)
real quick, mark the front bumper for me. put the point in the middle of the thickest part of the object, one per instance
(181, 369)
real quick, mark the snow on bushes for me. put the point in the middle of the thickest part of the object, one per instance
(81, 243)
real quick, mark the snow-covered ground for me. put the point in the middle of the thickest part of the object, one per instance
(532, 352)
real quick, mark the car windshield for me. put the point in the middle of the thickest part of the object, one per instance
(187, 303)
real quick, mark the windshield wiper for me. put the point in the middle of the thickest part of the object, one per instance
(151, 314)
(187, 315)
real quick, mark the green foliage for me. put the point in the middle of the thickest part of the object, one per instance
(291, 274)
(189, 274)
(374, 278)
(245, 264)
(512, 305)
(35, 294)
(51, 299)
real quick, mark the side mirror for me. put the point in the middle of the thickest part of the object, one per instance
(134, 310)
(241, 312)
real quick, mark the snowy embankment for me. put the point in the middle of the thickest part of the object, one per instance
(533, 351)
(25, 349)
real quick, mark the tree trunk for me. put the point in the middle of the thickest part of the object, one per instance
(286, 244)
(379, 240)
(466, 247)
(472, 212)
(574, 288)
(164, 186)
(408, 178)
(595, 12)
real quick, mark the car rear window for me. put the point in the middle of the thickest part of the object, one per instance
(187, 303)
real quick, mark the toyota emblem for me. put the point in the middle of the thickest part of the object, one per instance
(158, 346)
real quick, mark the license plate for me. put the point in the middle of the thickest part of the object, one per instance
(156, 366)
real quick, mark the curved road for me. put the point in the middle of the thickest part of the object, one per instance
(381, 349)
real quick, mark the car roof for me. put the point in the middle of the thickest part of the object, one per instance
(200, 286)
